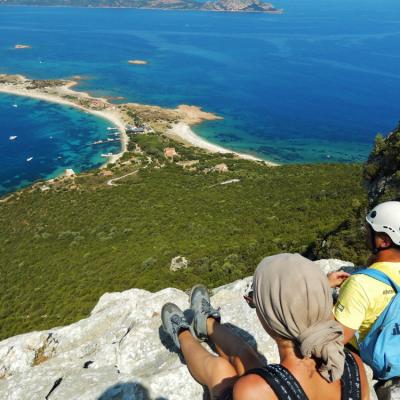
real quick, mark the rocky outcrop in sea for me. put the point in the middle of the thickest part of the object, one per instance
(120, 351)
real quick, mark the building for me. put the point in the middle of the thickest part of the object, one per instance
(132, 129)
(221, 168)
(170, 152)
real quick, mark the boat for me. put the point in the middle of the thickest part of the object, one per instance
(12, 137)
(107, 155)
(110, 128)
(15, 105)
(29, 159)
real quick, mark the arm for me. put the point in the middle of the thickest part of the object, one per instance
(351, 307)
(348, 333)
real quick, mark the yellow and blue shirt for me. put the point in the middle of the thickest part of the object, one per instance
(362, 299)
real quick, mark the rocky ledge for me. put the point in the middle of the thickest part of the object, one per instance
(120, 351)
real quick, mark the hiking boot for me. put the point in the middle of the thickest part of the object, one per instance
(202, 309)
(174, 322)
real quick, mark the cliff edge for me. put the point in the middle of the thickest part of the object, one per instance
(120, 351)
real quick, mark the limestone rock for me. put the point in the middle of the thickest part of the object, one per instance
(178, 263)
(120, 351)
(333, 265)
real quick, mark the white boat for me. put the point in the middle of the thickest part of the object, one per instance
(12, 137)
(29, 159)
(15, 105)
(107, 155)
(110, 128)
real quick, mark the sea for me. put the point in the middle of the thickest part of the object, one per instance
(313, 85)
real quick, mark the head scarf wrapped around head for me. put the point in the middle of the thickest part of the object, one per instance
(294, 301)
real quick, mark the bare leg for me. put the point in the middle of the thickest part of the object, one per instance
(213, 371)
(232, 347)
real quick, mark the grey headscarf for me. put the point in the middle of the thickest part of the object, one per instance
(294, 300)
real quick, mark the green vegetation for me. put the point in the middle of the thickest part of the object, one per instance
(381, 175)
(61, 249)
(382, 170)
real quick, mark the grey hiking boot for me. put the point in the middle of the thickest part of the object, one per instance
(202, 309)
(174, 321)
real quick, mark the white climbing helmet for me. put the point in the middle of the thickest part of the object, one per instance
(385, 217)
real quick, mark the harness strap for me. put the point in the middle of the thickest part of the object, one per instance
(282, 382)
(286, 386)
(351, 383)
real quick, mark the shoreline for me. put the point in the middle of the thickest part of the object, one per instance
(278, 11)
(158, 119)
(182, 132)
(114, 118)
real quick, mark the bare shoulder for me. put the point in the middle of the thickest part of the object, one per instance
(363, 377)
(252, 387)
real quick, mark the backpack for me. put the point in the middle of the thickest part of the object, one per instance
(380, 349)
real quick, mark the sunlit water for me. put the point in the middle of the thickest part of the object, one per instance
(312, 85)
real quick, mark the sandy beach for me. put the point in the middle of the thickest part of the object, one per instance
(61, 92)
(182, 132)
(111, 115)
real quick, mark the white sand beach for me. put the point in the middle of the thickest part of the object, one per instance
(60, 93)
(182, 131)
(109, 114)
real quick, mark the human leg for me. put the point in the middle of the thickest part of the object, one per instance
(206, 325)
(212, 371)
(232, 347)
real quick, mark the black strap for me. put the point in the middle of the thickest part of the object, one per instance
(351, 382)
(282, 382)
(286, 386)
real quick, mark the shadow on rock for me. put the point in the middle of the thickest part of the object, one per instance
(128, 391)
(168, 343)
(246, 336)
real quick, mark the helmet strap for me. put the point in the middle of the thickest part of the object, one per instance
(375, 250)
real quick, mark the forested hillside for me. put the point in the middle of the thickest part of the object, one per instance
(381, 178)
(64, 245)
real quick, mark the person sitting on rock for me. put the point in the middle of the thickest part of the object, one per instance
(293, 302)
(362, 299)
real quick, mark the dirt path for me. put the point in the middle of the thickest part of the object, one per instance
(111, 181)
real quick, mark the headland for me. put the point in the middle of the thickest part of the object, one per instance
(175, 123)
(257, 6)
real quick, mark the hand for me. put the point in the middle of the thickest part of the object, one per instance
(249, 300)
(337, 278)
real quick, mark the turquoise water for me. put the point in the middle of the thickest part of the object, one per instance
(312, 85)
(56, 137)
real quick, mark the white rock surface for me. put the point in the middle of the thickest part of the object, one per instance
(126, 353)
(178, 263)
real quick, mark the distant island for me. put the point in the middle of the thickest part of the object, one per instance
(219, 5)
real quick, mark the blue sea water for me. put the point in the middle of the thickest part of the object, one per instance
(56, 137)
(312, 85)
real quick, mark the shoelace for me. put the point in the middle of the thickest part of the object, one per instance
(206, 308)
(177, 323)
